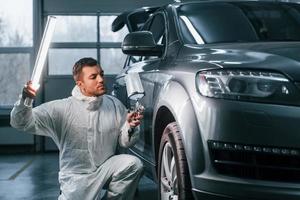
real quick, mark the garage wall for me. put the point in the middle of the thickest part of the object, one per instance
(108, 6)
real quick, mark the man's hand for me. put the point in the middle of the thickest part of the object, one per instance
(28, 91)
(134, 118)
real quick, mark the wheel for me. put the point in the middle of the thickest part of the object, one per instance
(174, 180)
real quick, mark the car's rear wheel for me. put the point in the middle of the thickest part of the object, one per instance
(174, 181)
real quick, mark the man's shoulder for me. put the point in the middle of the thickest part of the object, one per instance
(63, 100)
(58, 102)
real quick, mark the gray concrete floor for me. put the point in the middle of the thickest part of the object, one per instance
(35, 177)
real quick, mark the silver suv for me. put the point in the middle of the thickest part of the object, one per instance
(222, 79)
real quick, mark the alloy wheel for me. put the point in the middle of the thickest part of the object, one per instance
(168, 175)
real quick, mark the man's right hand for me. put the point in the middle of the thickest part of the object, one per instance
(28, 91)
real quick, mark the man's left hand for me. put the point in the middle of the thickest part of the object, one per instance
(134, 118)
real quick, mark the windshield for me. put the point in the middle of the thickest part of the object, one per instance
(216, 22)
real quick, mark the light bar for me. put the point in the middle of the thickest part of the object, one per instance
(42, 53)
(41, 56)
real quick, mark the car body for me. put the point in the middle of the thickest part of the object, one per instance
(222, 79)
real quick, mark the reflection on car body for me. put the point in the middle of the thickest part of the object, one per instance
(222, 98)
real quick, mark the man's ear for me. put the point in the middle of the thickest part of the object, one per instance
(79, 83)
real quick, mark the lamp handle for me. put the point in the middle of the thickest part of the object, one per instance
(28, 102)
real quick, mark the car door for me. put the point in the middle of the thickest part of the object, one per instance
(148, 68)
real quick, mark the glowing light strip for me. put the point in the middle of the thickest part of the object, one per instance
(42, 53)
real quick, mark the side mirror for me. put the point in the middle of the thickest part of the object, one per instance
(141, 43)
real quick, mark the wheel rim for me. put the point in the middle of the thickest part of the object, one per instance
(168, 174)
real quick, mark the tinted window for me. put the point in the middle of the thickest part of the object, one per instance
(157, 28)
(239, 22)
(274, 21)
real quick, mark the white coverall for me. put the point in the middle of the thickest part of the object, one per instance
(86, 131)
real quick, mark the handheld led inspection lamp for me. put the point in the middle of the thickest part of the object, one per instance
(41, 56)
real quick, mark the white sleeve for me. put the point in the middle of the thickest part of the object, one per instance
(127, 136)
(39, 120)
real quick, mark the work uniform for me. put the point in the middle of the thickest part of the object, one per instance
(86, 131)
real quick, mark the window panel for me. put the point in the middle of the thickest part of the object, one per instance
(157, 28)
(106, 35)
(112, 60)
(75, 29)
(16, 21)
(15, 73)
(61, 61)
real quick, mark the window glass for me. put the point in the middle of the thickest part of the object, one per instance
(61, 61)
(158, 29)
(75, 29)
(15, 73)
(16, 23)
(112, 60)
(106, 35)
(273, 22)
(217, 22)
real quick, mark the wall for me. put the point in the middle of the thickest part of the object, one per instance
(108, 6)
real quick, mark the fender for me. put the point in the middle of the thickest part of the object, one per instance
(175, 98)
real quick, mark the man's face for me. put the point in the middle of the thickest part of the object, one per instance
(91, 81)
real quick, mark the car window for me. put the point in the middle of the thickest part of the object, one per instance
(157, 27)
(239, 22)
(274, 22)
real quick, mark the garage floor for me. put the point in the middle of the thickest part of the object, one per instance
(35, 177)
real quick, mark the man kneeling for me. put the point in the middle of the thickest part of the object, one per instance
(86, 127)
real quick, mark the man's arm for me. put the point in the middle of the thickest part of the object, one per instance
(128, 124)
(21, 115)
(130, 130)
(37, 120)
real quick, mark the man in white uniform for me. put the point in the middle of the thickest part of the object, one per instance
(86, 127)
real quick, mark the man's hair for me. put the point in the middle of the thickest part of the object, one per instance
(83, 62)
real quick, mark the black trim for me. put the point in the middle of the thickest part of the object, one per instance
(17, 148)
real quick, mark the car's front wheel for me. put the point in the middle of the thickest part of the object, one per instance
(174, 181)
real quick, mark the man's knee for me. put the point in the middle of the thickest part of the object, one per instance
(133, 163)
(138, 165)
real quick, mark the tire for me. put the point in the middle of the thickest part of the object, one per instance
(173, 175)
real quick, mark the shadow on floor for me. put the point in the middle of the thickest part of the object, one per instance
(35, 177)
